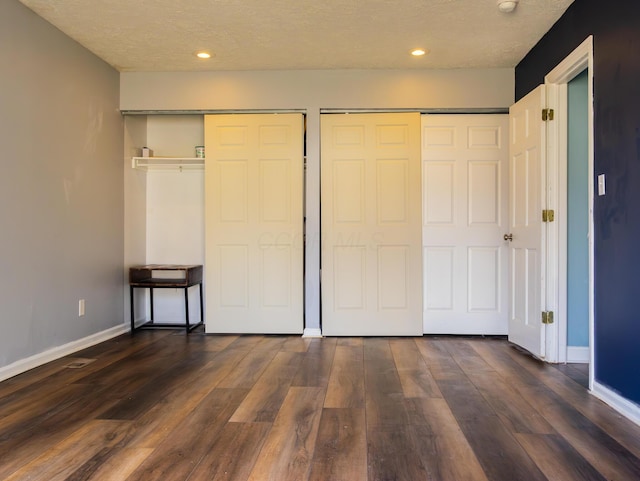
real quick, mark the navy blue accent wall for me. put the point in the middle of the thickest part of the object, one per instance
(615, 27)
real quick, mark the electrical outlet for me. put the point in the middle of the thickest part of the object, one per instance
(81, 308)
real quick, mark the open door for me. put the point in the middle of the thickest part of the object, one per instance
(526, 236)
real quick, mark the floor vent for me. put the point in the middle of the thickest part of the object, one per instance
(79, 363)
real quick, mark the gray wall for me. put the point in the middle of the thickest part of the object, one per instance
(61, 188)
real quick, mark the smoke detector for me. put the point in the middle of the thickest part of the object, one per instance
(507, 6)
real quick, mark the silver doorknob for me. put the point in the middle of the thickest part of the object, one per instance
(508, 237)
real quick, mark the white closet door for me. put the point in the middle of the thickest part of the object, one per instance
(254, 223)
(465, 202)
(371, 221)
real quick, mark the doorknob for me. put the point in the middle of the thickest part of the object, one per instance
(508, 237)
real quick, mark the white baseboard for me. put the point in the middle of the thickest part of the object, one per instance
(312, 332)
(36, 360)
(625, 407)
(578, 354)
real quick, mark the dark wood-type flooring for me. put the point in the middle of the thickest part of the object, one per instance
(165, 406)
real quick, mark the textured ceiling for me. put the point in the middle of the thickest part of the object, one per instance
(163, 35)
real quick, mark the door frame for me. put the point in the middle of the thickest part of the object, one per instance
(579, 60)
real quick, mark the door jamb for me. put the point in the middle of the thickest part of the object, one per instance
(556, 80)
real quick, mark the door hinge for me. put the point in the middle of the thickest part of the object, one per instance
(548, 215)
(547, 114)
(547, 317)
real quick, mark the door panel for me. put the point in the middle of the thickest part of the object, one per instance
(253, 220)
(527, 174)
(371, 250)
(465, 167)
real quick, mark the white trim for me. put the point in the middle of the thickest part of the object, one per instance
(36, 360)
(578, 354)
(625, 407)
(311, 332)
(579, 60)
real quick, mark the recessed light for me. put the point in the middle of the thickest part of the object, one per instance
(203, 55)
(507, 6)
(418, 52)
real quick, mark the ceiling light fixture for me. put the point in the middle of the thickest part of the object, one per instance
(507, 6)
(203, 55)
(418, 52)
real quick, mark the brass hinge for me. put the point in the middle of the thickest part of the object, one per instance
(548, 215)
(547, 114)
(547, 317)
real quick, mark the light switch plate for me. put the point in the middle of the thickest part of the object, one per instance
(601, 185)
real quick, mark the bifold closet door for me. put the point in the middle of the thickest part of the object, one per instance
(371, 224)
(254, 223)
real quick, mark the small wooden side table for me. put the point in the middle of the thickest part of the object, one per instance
(186, 276)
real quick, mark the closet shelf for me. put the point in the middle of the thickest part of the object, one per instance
(167, 163)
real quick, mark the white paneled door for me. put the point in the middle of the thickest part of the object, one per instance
(254, 223)
(527, 253)
(465, 199)
(371, 224)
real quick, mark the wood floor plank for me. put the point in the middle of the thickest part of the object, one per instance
(557, 459)
(296, 344)
(445, 452)
(234, 453)
(288, 450)
(267, 394)
(117, 467)
(415, 377)
(177, 456)
(466, 357)
(350, 342)
(150, 393)
(246, 342)
(516, 413)
(346, 382)
(438, 359)
(576, 372)
(316, 366)
(393, 454)
(249, 369)
(153, 426)
(385, 401)
(24, 442)
(498, 452)
(341, 447)
(219, 342)
(59, 462)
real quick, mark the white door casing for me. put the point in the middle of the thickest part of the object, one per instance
(371, 224)
(465, 203)
(527, 185)
(254, 223)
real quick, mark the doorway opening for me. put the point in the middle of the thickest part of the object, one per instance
(571, 180)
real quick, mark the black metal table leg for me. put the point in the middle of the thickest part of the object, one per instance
(201, 305)
(132, 310)
(151, 302)
(186, 308)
